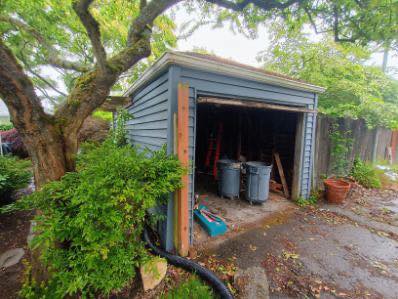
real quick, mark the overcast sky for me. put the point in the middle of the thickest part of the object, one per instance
(226, 44)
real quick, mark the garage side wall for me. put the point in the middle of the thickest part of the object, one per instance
(148, 128)
(308, 153)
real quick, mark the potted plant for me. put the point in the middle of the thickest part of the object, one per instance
(336, 190)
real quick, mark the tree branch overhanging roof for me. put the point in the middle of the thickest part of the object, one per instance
(215, 64)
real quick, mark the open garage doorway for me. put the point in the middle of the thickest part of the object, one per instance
(249, 132)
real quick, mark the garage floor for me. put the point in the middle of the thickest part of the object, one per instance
(239, 216)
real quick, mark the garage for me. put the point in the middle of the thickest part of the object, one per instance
(204, 109)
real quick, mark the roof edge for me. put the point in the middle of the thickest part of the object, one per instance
(178, 58)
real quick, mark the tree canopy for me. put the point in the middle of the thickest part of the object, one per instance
(49, 39)
(353, 89)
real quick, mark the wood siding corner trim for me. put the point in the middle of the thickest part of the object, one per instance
(183, 156)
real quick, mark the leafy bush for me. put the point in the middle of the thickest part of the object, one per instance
(365, 174)
(192, 288)
(6, 126)
(14, 174)
(91, 220)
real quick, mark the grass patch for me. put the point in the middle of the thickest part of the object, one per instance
(193, 288)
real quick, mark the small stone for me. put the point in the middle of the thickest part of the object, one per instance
(153, 272)
(252, 283)
(11, 257)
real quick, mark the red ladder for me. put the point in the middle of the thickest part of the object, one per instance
(214, 150)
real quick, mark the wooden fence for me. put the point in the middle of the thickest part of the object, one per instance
(368, 144)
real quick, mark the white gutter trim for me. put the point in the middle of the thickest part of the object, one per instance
(173, 58)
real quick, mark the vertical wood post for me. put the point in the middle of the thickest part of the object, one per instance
(298, 157)
(183, 156)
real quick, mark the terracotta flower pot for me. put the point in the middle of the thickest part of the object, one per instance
(336, 190)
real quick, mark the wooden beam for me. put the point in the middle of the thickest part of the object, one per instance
(183, 156)
(253, 104)
(113, 102)
(175, 194)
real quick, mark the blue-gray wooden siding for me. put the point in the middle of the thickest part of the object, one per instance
(155, 104)
(148, 128)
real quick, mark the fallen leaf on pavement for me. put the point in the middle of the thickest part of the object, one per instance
(289, 255)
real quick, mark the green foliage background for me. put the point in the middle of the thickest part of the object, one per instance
(61, 28)
(14, 174)
(353, 88)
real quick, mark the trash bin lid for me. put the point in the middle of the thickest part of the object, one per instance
(257, 165)
(228, 163)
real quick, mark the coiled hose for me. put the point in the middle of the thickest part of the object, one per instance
(191, 266)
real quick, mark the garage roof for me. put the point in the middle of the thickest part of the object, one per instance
(214, 64)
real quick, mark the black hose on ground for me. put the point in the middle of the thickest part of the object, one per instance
(191, 266)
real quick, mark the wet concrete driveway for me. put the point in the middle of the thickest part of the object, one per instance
(321, 252)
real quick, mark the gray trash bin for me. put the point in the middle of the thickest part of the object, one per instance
(228, 178)
(257, 181)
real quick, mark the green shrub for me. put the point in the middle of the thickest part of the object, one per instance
(365, 174)
(193, 288)
(6, 126)
(91, 220)
(119, 133)
(14, 174)
(312, 200)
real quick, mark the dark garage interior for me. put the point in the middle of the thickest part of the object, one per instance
(243, 134)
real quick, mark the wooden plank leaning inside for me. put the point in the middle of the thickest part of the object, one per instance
(281, 174)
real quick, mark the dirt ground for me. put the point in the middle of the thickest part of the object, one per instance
(14, 229)
(348, 251)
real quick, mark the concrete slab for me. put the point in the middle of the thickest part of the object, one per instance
(315, 253)
(239, 216)
(252, 283)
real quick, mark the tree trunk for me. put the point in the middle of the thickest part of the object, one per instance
(46, 149)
